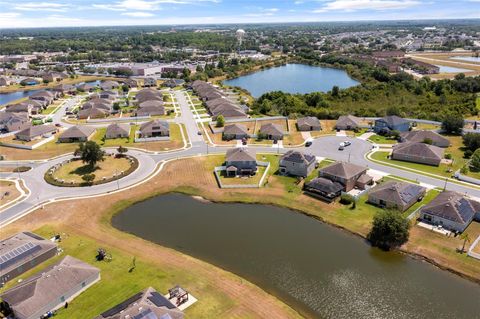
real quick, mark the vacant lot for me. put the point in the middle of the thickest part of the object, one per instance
(75, 170)
(8, 192)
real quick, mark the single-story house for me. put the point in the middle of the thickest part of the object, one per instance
(64, 89)
(451, 210)
(418, 153)
(391, 123)
(116, 130)
(109, 85)
(50, 289)
(46, 96)
(155, 128)
(79, 133)
(309, 123)
(348, 122)
(396, 195)
(425, 135)
(347, 174)
(36, 132)
(12, 121)
(235, 132)
(108, 95)
(86, 87)
(131, 83)
(271, 131)
(93, 113)
(20, 108)
(171, 83)
(149, 82)
(54, 76)
(323, 188)
(296, 163)
(148, 304)
(240, 161)
(21, 252)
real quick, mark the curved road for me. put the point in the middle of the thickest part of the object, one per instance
(327, 147)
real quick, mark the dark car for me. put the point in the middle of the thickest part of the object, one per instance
(308, 143)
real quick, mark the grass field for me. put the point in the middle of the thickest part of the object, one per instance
(8, 193)
(75, 170)
(379, 139)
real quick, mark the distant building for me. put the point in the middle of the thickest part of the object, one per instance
(50, 289)
(396, 195)
(109, 85)
(148, 304)
(149, 82)
(21, 252)
(296, 163)
(451, 210)
(388, 54)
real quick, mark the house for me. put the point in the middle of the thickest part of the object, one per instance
(64, 89)
(148, 95)
(20, 108)
(347, 174)
(418, 153)
(155, 128)
(323, 188)
(296, 163)
(47, 96)
(21, 252)
(109, 85)
(396, 195)
(149, 82)
(171, 83)
(53, 76)
(240, 161)
(235, 132)
(271, 131)
(108, 95)
(131, 83)
(93, 113)
(423, 136)
(51, 289)
(309, 123)
(79, 133)
(4, 81)
(12, 121)
(391, 123)
(36, 132)
(148, 304)
(86, 87)
(451, 210)
(388, 54)
(150, 110)
(117, 131)
(348, 122)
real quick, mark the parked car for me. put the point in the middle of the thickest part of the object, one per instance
(347, 143)
(308, 143)
(341, 146)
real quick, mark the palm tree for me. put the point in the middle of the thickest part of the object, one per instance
(466, 238)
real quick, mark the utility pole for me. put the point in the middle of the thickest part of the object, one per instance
(118, 180)
(445, 186)
(349, 153)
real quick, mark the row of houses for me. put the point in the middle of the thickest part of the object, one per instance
(149, 103)
(55, 286)
(215, 101)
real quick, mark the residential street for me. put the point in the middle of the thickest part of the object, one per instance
(327, 147)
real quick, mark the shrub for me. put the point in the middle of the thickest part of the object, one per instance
(346, 199)
(448, 156)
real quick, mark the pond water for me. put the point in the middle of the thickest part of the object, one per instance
(293, 78)
(319, 270)
(466, 58)
(451, 69)
(6, 98)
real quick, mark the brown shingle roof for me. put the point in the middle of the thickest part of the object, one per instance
(420, 136)
(343, 170)
(235, 129)
(400, 193)
(421, 150)
(78, 131)
(271, 129)
(240, 154)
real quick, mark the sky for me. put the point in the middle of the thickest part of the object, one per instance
(62, 13)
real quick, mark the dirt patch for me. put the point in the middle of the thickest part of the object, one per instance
(8, 193)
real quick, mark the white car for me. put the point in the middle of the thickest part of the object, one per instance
(346, 143)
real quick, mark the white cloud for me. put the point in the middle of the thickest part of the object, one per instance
(41, 6)
(146, 5)
(261, 12)
(9, 15)
(138, 14)
(353, 5)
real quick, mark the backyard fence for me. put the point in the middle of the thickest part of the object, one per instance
(219, 169)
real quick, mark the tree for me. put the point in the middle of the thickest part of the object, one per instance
(90, 153)
(471, 141)
(116, 106)
(88, 178)
(395, 134)
(466, 238)
(389, 230)
(428, 141)
(452, 123)
(220, 121)
(122, 150)
(475, 161)
(335, 91)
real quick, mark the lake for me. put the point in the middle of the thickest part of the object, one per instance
(466, 58)
(293, 78)
(451, 69)
(317, 269)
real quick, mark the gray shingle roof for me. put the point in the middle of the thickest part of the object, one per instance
(415, 149)
(271, 129)
(298, 157)
(235, 129)
(325, 185)
(116, 129)
(308, 121)
(37, 130)
(420, 136)
(79, 131)
(148, 126)
(348, 120)
(393, 120)
(343, 170)
(452, 206)
(240, 154)
(400, 193)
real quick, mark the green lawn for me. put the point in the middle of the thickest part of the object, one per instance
(117, 283)
(379, 139)
(49, 110)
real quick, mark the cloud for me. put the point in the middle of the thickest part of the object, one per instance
(41, 6)
(353, 5)
(146, 5)
(138, 14)
(9, 15)
(262, 12)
